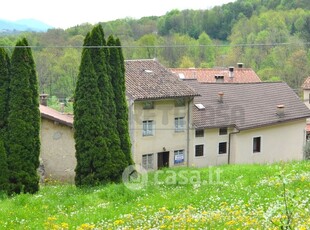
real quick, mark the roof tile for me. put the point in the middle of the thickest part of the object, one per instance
(148, 79)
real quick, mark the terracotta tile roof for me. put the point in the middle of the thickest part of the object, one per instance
(240, 75)
(245, 105)
(148, 79)
(51, 114)
(306, 84)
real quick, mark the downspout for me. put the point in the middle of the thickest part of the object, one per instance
(188, 126)
(131, 127)
(229, 144)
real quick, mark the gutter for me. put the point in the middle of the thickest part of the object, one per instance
(229, 145)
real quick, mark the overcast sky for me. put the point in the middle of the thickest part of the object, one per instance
(68, 13)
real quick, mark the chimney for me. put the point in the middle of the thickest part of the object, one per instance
(240, 65)
(220, 97)
(231, 72)
(280, 110)
(219, 78)
(43, 99)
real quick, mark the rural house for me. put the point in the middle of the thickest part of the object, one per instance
(247, 123)
(175, 122)
(160, 108)
(57, 145)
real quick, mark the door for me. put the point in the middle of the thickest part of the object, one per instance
(162, 159)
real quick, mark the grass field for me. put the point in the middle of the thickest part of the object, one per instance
(226, 197)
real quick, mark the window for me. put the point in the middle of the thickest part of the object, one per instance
(147, 161)
(180, 102)
(199, 133)
(223, 131)
(179, 156)
(148, 105)
(179, 124)
(198, 150)
(148, 128)
(222, 147)
(256, 144)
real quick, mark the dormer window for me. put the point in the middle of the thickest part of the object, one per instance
(148, 105)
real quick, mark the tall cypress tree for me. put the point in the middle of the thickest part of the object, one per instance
(23, 123)
(100, 57)
(92, 154)
(4, 102)
(117, 73)
(4, 89)
(4, 173)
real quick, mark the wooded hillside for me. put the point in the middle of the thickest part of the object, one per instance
(270, 36)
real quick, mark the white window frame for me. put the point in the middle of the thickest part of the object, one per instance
(203, 150)
(218, 152)
(148, 128)
(179, 152)
(260, 147)
(149, 162)
(179, 124)
(203, 133)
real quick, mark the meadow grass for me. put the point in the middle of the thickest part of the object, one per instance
(225, 197)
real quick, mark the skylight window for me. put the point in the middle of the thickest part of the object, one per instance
(181, 76)
(200, 106)
(148, 71)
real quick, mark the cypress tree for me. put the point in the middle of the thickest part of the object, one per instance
(3, 169)
(4, 102)
(4, 88)
(91, 150)
(99, 58)
(117, 73)
(23, 122)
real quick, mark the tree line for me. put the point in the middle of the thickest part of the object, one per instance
(271, 37)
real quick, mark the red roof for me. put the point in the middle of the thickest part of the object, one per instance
(51, 114)
(240, 75)
(306, 84)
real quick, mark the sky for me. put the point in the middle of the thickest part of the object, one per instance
(67, 13)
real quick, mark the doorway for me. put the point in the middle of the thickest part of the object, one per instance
(162, 159)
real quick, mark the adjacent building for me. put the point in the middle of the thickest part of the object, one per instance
(160, 114)
(238, 74)
(247, 123)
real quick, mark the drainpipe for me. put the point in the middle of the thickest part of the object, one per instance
(229, 145)
(188, 126)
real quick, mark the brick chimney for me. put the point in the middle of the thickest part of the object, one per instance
(280, 110)
(220, 97)
(43, 99)
(231, 72)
